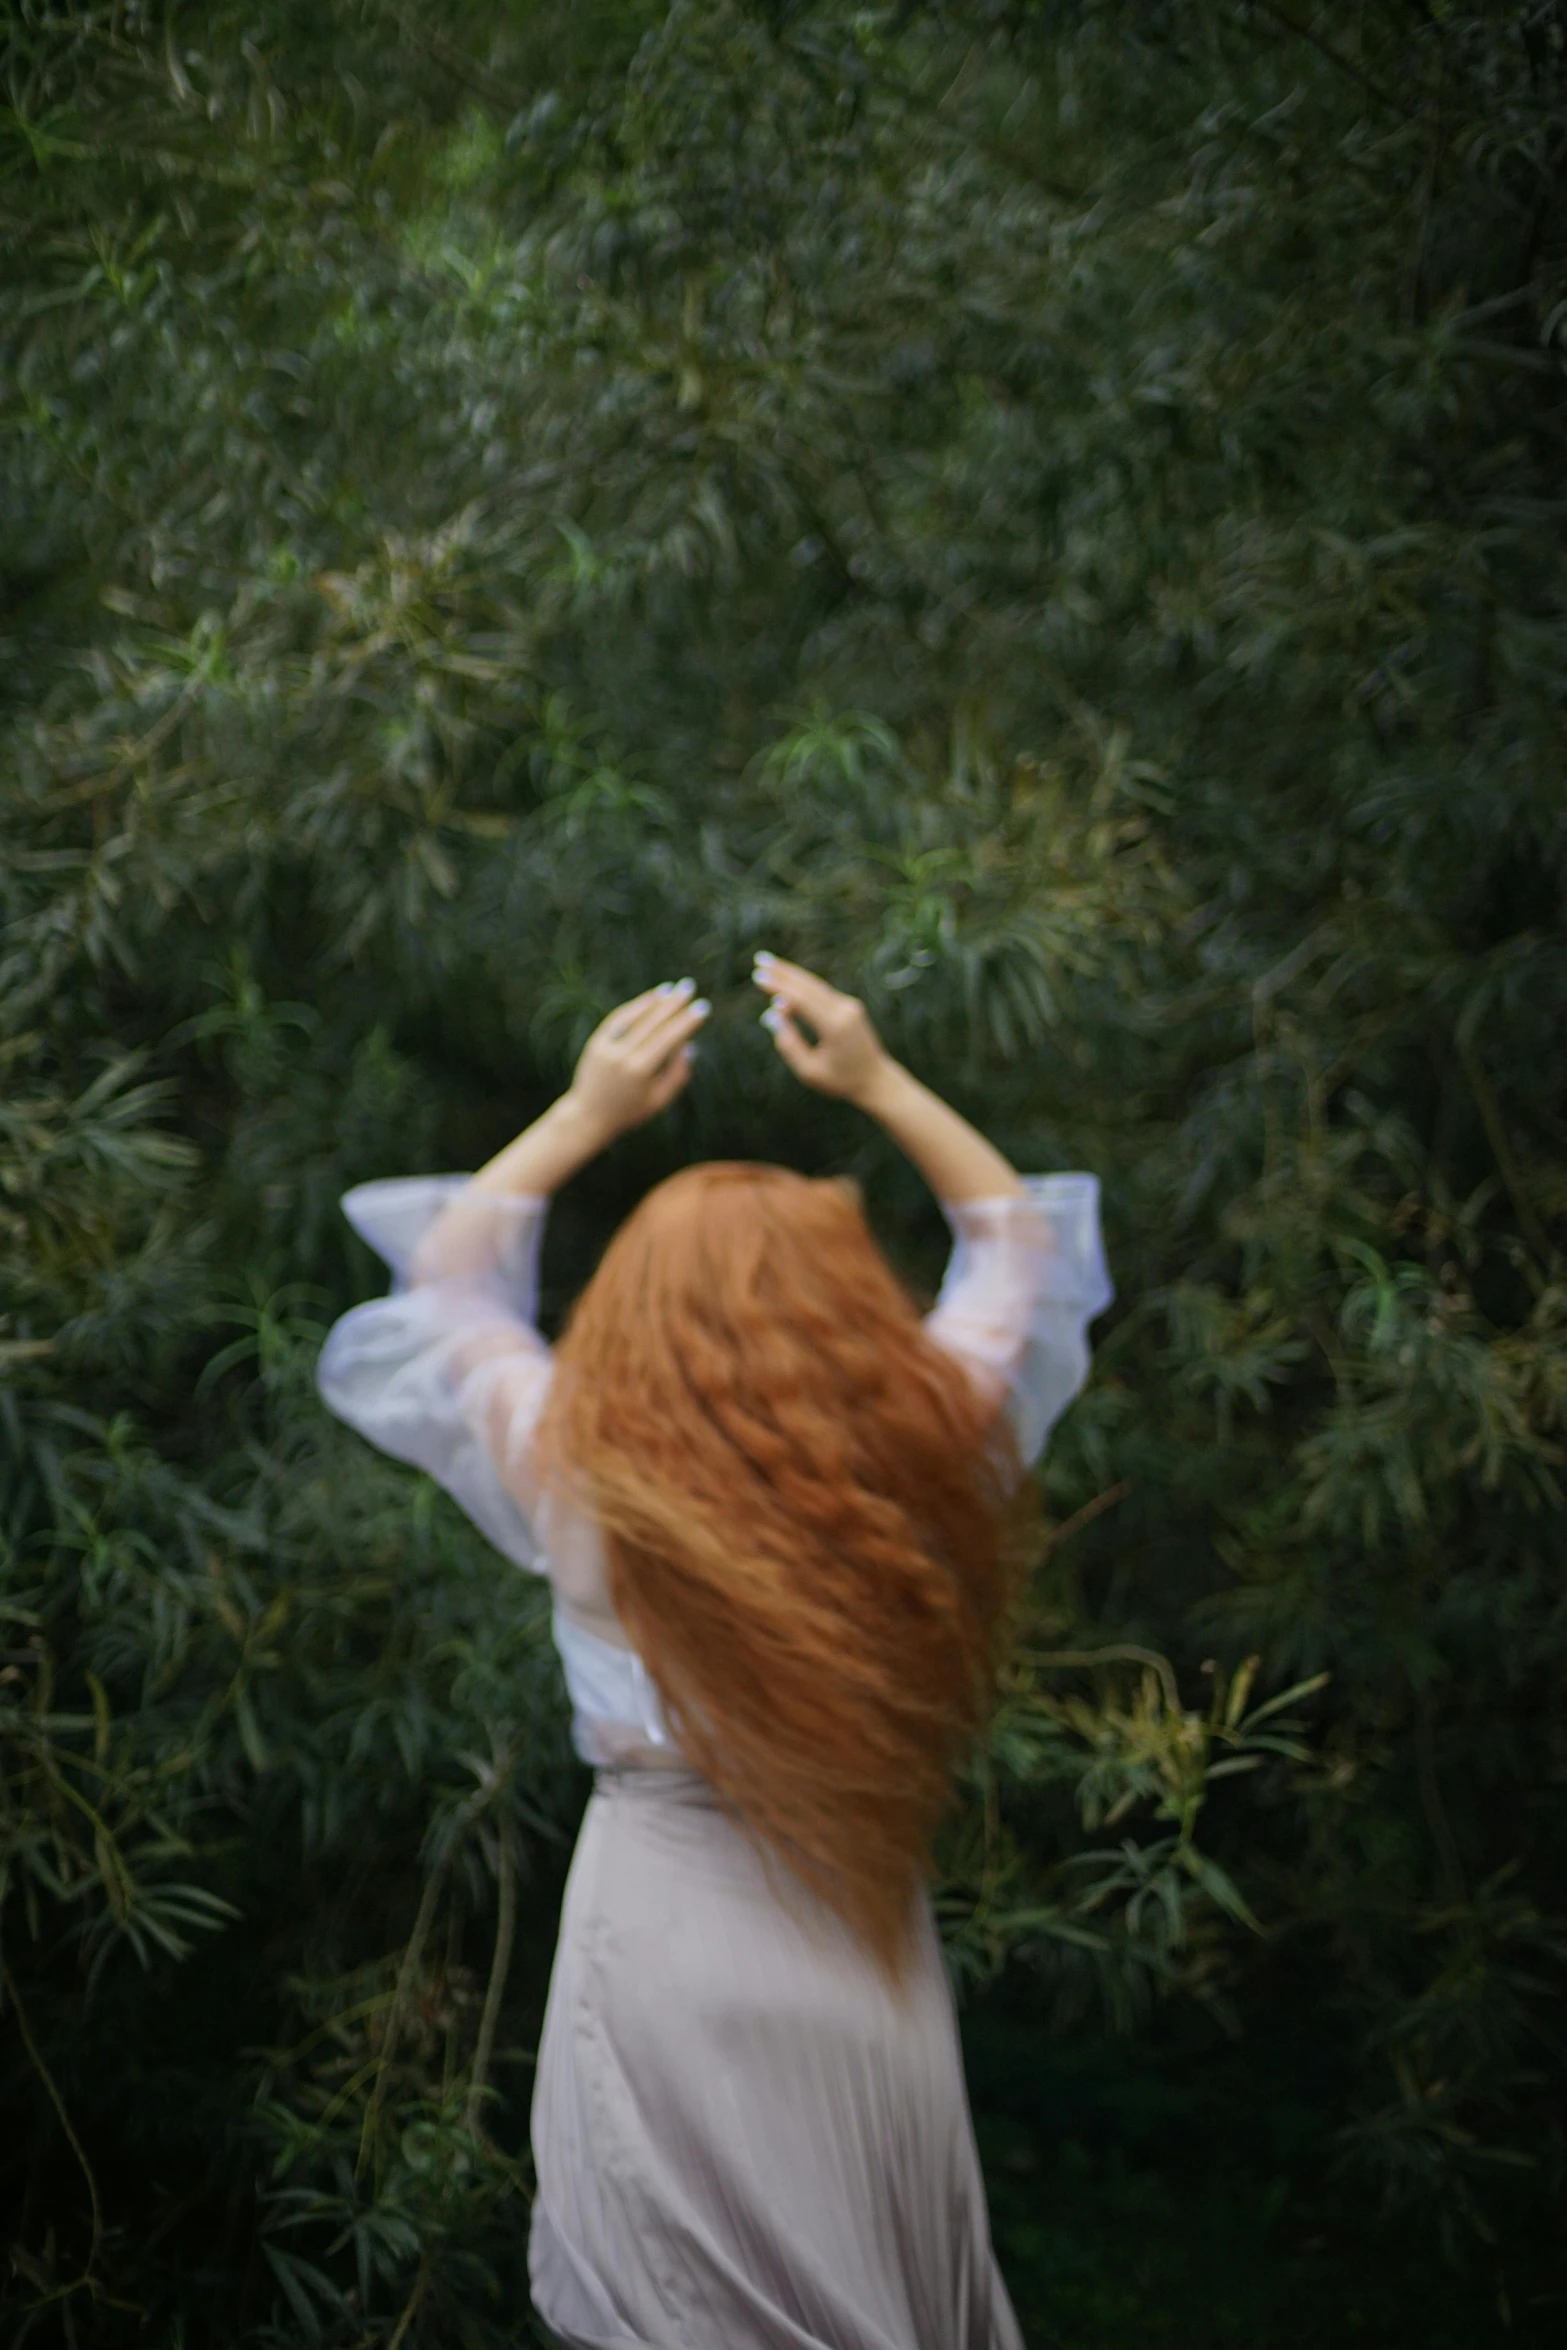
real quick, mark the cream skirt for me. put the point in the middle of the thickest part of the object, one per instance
(745, 2140)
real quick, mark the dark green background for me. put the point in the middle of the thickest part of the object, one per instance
(1052, 514)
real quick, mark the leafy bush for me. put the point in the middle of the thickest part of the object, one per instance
(1050, 513)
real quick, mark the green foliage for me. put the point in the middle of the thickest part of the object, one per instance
(1050, 512)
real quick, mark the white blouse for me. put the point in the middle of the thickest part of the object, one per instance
(450, 1373)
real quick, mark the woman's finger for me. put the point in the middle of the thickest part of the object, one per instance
(657, 1038)
(631, 1022)
(772, 971)
(617, 1023)
(633, 1005)
(791, 1045)
(676, 1072)
(813, 995)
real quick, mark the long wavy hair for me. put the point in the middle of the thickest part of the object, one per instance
(805, 1504)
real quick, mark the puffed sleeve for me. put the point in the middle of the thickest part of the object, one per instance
(448, 1372)
(1026, 1277)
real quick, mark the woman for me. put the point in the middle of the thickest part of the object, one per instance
(769, 1501)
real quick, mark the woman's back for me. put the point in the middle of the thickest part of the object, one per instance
(451, 1374)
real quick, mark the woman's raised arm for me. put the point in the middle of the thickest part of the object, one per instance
(450, 1372)
(1027, 1271)
(631, 1067)
(851, 1061)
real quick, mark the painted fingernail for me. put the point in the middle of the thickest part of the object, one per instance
(665, 987)
(684, 986)
(763, 958)
(772, 1018)
(702, 1005)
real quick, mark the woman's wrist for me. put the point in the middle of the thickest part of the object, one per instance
(878, 1096)
(584, 1128)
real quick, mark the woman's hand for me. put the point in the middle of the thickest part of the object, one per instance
(849, 1058)
(637, 1059)
(851, 1061)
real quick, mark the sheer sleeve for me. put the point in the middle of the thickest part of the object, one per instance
(448, 1372)
(1026, 1277)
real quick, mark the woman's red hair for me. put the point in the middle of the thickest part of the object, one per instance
(803, 1500)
